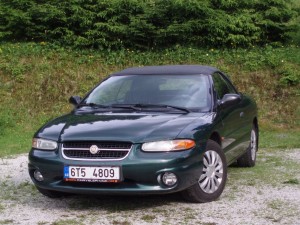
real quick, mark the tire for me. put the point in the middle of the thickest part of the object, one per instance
(213, 177)
(50, 193)
(249, 158)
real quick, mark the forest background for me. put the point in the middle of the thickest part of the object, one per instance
(52, 49)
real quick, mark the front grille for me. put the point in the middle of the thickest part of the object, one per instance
(106, 150)
(100, 155)
(101, 145)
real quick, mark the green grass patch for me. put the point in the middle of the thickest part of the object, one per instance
(1, 207)
(148, 218)
(10, 191)
(292, 181)
(15, 141)
(6, 221)
(273, 167)
(279, 138)
(67, 222)
(117, 222)
(42, 223)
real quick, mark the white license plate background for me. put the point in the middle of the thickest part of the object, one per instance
(92, 174)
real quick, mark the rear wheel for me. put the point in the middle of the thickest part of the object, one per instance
(249, 158)
(50, 193)
(213, 177)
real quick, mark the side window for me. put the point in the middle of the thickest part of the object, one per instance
(222, 86)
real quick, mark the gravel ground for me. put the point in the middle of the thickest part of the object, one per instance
(242, 202)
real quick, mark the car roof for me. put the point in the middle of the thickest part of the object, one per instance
(168, 70)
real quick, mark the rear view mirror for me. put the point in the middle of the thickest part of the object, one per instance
(230, 99)
(75, 100)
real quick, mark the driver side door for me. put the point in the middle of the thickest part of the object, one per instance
(233, 130)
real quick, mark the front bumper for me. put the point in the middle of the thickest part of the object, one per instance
(140, 172)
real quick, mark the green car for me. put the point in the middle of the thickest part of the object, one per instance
(148, 130)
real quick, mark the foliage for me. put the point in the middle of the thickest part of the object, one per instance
(295, 35)
(115, 24)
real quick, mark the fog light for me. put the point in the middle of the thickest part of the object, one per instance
(169, 179)
(38, 175)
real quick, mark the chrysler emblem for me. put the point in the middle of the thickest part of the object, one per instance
(94, 149)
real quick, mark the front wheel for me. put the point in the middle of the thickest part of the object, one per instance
(213, 177)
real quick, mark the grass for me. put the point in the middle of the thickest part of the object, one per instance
(116, 222)
(1, 207)
(36, 81)
(10, 191)
(279, 138)
(15, 141)
(148, 218)
(276, 204)
(6, 221)
(292, 181)
(273, 167)
(67, 222)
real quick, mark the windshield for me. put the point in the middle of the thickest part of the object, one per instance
(189, 91)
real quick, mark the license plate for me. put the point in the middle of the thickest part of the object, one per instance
(109, 174)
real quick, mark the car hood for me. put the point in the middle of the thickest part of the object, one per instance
(132, 127)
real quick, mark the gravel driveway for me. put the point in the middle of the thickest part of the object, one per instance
(266, 194)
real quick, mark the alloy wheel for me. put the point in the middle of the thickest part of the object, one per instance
(253, 146)
(212, 173)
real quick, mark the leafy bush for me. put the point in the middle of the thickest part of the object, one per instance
(119, 24)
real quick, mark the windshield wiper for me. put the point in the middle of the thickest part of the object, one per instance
(136, 107)
(162, 106)
(125, 106)
(93, 105)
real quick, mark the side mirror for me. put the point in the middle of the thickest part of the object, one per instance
(74, 100)
(230, 99)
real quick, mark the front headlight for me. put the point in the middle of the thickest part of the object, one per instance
(166, 146)
(43, 144)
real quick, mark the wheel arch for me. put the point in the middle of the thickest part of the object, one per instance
(255, 123)
(215, 136)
